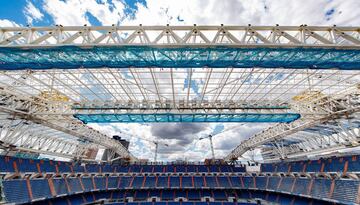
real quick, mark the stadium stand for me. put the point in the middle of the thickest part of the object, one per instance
(322, 181)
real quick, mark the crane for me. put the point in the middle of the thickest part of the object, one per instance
(211, 144)
(210, 136)
(155, 142)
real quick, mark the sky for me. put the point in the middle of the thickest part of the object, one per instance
(182, 138)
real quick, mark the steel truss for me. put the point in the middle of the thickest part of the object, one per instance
(221, 73)
(23, 108)
(140, 95)
(324, 109)
(334, 136)
(180, 47)
(24, 136)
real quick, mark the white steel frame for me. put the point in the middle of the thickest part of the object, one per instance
(288, 36)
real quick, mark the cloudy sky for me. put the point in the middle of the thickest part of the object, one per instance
(182, 138)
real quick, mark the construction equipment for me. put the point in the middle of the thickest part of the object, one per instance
(155, 142)
(210, 136)
(211, 144)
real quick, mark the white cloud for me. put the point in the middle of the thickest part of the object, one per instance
(243, 12)
(32, 13)
(75, 12)
(8, 23)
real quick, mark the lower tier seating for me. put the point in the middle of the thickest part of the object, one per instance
(30, 190)
(130, 197)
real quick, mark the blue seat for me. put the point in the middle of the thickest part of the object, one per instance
(113, 182)
(211, 181)
(175, 181)
(225, 168)
(320, 188)
(60, 186)
(63, 167)
(101, 195)
(206, 193)
(296, 166)
(154, 193)
(219, 195)
(20, 195)
(282, 167)
(235, 181)
(89, 197)
(286, 184)
(273, 183)
(158, 169)
(193, 194)
(301, 186)
(285, 199)
(199, 182)
(346, 190)
(74, 184)
(135, 168)
(353, 163)
(107, 168)
(78, 168)
(170, 168)
(100, 183)
(47, 166)
(167, 195)
(180, 168)
(93, 168)
(191, 168)
(162, 181)
(186, 181)
(213, 168)
(118, 194)
(141, 195)
(314, 166)
(203, 169)
(150, 182)
(87, 182)
(76, 200)
(223, 181)
(267, 167)
(125, 181)
(6, 164)
(147, 169)
(248, 182)
(261, 182)
(26, 165)
(138, 181)
(180, 193)
(40, 188)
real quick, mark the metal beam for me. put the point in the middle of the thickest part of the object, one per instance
(232, 46)
(27, 108)
(319, 109)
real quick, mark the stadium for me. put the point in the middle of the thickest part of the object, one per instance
(188, 114)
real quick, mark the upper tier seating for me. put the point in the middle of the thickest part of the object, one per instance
(332, 164)
(19, 165)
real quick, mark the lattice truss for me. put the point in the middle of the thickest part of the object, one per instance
(157, 90)
(157, 35)
(177, 87)
(225, 73)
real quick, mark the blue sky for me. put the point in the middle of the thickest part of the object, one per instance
(183, 138)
